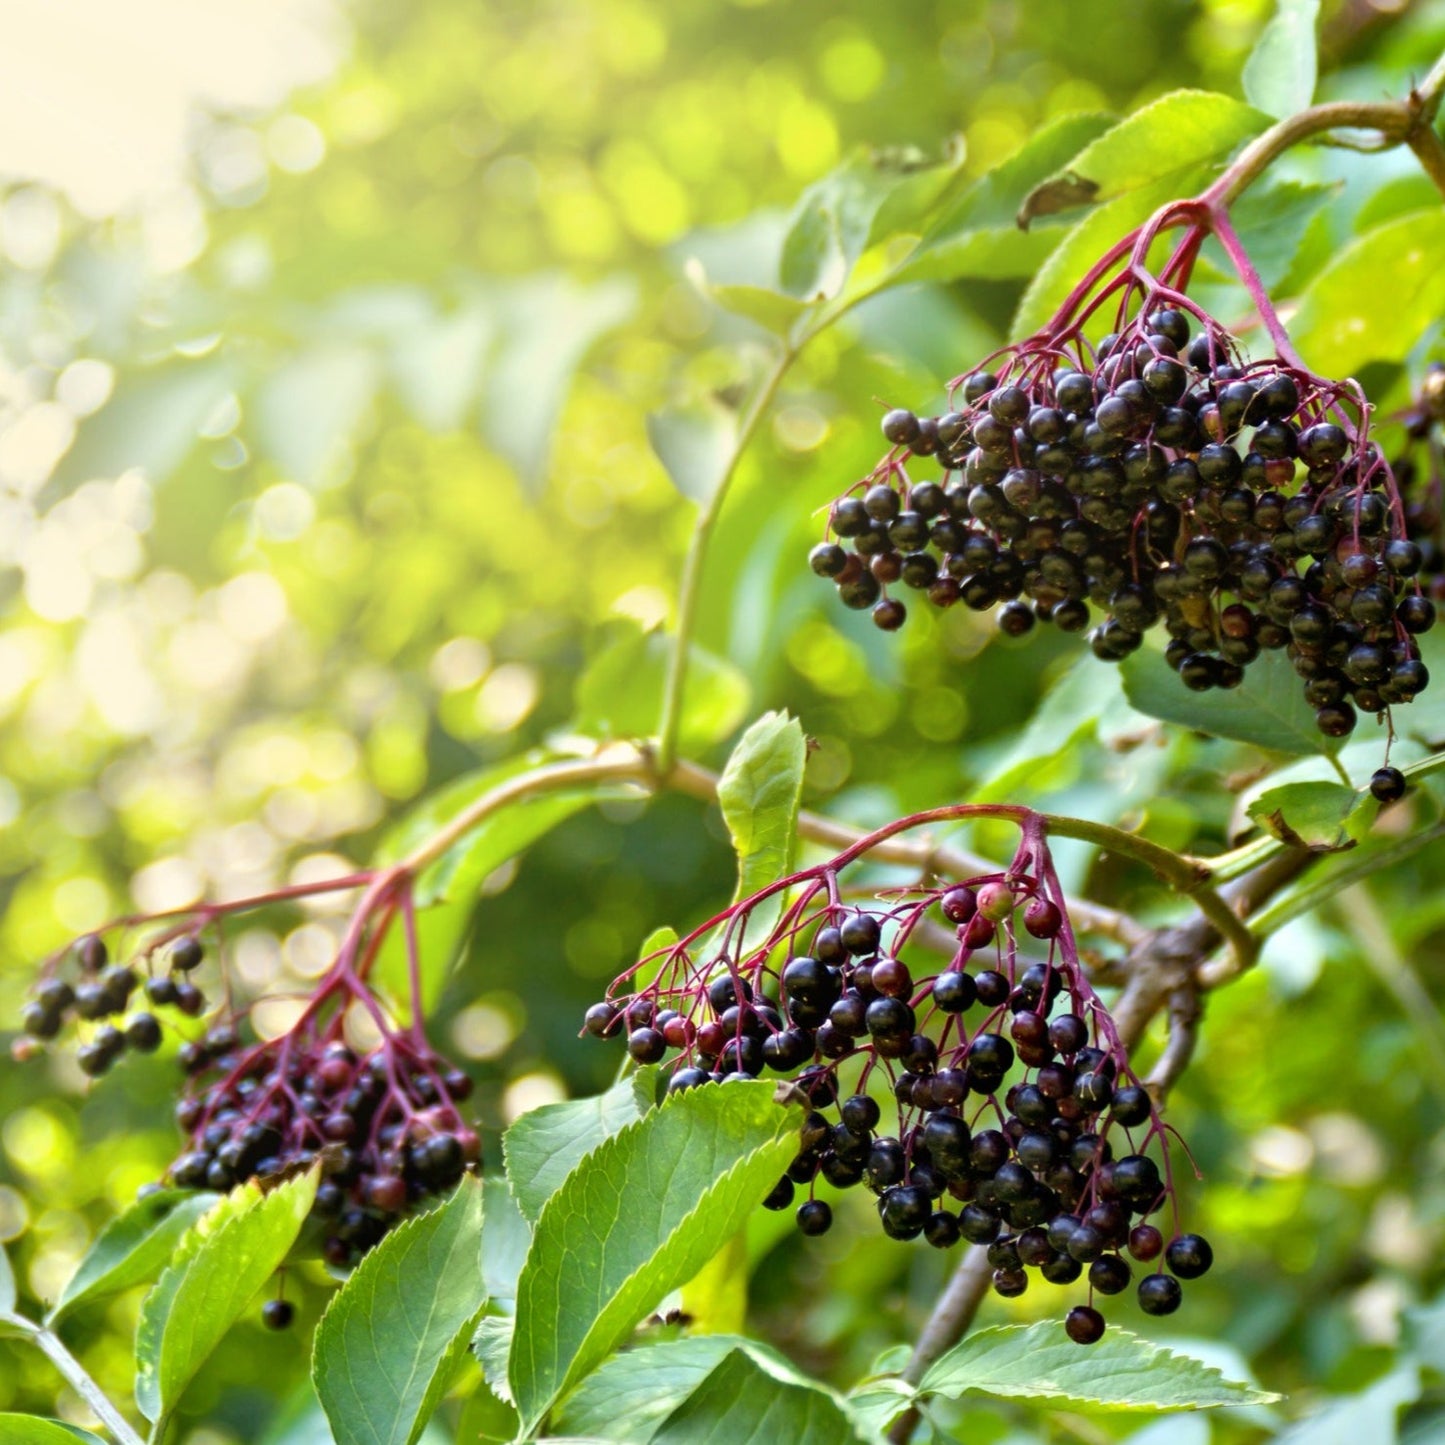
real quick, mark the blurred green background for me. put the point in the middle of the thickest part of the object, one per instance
(327, 338)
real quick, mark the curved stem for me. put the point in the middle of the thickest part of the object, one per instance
(76, 1376)
(1398, 122)
(690, 589)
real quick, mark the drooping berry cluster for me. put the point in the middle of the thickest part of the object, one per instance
(1156, 477)
(1020, 1124)
(1419, 468)
(383, 1121)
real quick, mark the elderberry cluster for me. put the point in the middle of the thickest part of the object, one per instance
(101, 993)
(1019, 1123)
(1157, 479)
(383, 1123)
(385, 1126)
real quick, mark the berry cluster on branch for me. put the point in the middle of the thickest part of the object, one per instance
(1017, 1120)
(1155, 476)
(382, 1118)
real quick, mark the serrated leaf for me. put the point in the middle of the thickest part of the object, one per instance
(640, 1215)
(1313, 815)
(545, 1145)
(758, 792)
(696, 446)
(32, 1430)
(875, 1404)
(619, 695)
(386, 1347)
(1120, 1372)
(492, 1345)
(1340, 326)
(740, 1404)
(1177, 132)
(1280, 73)
(219, 1265)
(1267, 709)
(133, 1248)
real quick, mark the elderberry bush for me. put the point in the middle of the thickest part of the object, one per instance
(1014, 1118)
(1156, 479)
(384, 1122)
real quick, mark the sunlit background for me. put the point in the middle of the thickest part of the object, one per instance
(327, 336)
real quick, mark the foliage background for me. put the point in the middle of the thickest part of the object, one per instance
(324, 472)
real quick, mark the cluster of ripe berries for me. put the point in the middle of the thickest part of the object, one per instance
(1020, 1125)
(385, 1125)
(1159, 480)
(102, 993)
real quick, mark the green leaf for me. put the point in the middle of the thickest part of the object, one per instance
(1316, 816)
(631, 1394)
(1088, 240)
(549, 324)
(545, 1145)
(1267, 709)
(979, 236)
(1279, 76)
(506, 1237)
(839, 216)
(1121, 1372)
(876, 1403)
(32, 1430)
(771, 310)
(1341, 326)
(620, 693)
(1271, 222)
(388, 1343)
(1373, 1414)
(1176, 133)
(1070, 712)
(219, 1265)
(492, 1345)
(133, 1248)
(638, 1217)
(696, 446)
(740, 1404)
(759, 793)
(486, 1420)
(997, 199)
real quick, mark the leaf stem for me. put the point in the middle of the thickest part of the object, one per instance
(1403, 122)
(76, 1376)
(690, 588)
